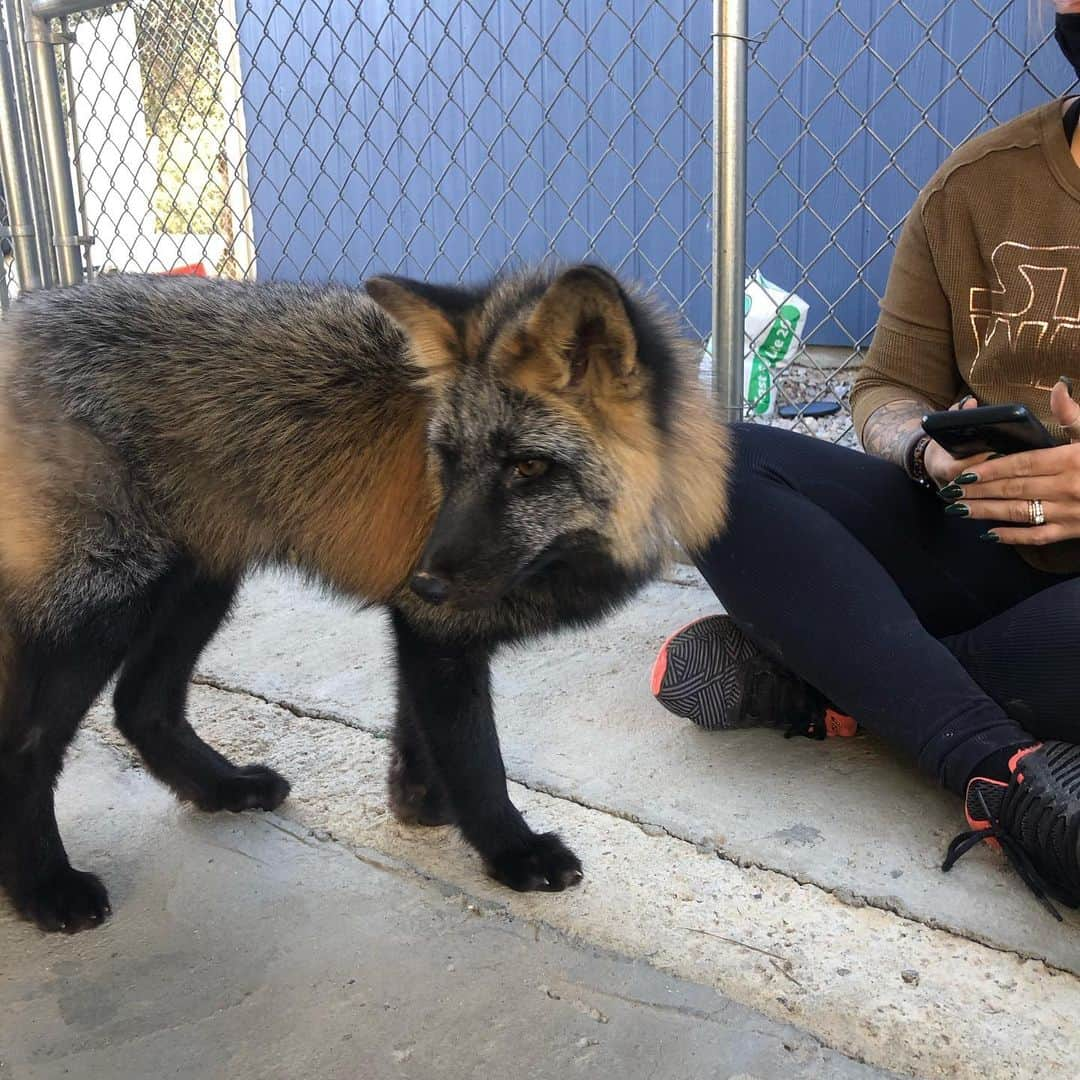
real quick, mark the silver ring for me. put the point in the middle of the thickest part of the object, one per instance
(1036, 512)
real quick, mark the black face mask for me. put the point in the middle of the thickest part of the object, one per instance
(1067, 35)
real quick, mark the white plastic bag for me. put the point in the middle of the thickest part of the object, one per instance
(774, 321)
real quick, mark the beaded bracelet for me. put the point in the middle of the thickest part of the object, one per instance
(915, 465)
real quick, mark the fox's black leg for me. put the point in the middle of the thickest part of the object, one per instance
(417, 793)
(151, 697)
(446, 689)
(49, 687)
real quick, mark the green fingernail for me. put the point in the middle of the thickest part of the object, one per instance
(1068, 382)
(991, 538)
(952, 491)
(966, 478)
(994, 457)
(958, 510)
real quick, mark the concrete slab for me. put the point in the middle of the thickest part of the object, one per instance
(577, 720)
(874, 985)
(794, 879)
(241, 947)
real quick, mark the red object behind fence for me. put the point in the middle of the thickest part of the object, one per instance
(193, 269)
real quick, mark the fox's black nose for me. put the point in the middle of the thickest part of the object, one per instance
(430, 587)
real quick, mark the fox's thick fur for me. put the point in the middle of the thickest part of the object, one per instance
(488, 463)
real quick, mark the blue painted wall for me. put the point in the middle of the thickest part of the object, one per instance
(828, 192)
(442, 139)
(445, 144)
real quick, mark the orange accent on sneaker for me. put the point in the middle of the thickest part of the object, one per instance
(1022, 753)
(659, 668)
(839, 724)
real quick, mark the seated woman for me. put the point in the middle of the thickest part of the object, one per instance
(945, 621)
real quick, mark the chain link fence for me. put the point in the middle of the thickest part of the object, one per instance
(318, 139)
(157, 123)
(8, 282)
(326, 139)
(852, 106)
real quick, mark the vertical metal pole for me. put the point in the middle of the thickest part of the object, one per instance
(50, 111)
(31, 143)
(13, 169)
(729, 201)
(231, 95)
(76, 157)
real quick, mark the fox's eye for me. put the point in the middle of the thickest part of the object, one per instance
(530, 468)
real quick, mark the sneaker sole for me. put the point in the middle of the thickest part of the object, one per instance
(696, 673)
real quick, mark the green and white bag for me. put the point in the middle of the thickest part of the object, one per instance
(774, 321)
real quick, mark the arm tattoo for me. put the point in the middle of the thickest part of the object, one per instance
(893, 429)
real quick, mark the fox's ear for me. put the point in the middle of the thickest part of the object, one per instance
(433, 339)
(577, 340)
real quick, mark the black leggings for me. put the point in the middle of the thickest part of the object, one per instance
(852, 576)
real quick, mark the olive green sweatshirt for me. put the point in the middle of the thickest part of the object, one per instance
(984, 292)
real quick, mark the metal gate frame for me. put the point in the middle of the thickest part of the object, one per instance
(34, 145)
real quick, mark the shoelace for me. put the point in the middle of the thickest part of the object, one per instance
(1014, 852)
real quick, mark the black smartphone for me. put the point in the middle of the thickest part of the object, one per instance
(993, 429)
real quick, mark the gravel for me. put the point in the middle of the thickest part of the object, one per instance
(800, 383)
(803, 381)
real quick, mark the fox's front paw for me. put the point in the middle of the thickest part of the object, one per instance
(247, 787)
(68, 900)
(545, 864)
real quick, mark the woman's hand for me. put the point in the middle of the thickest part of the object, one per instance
(1004, 489)
(941, 466)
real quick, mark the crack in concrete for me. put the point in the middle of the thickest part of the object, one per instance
(799, 1040)
(235, 851)
(790, 1041)
(308, 713)
(582, 990)
(840, 893)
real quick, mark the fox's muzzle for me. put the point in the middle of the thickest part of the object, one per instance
(470, 556)
(450, 551)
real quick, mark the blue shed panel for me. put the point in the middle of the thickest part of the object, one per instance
(445, 139)
(843, 134)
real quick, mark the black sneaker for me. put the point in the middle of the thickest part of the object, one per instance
(712, 673)
(1034, 819)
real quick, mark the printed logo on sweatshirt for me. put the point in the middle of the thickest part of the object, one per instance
(1036, 304)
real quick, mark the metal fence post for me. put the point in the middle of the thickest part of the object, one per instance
(50, 110)
(729, 201)
(32, 143)
(13, 169)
